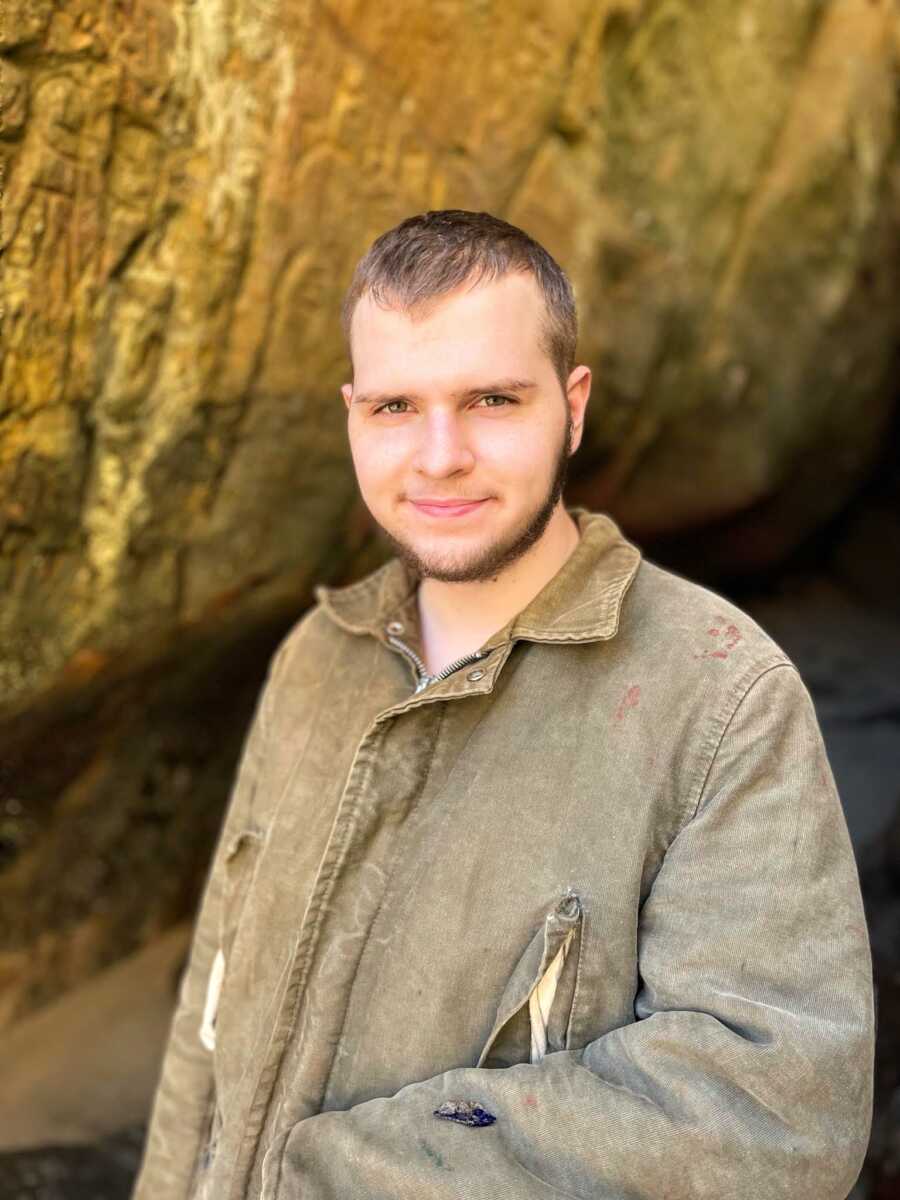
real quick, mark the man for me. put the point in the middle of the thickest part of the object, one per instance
(534, 881)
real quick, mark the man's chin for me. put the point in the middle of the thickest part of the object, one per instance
(461, 566)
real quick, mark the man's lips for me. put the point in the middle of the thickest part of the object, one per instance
(446, 508)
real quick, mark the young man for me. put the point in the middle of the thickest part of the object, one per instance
(534, 881)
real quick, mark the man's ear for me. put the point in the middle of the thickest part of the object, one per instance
(578, 390)
(347, 393)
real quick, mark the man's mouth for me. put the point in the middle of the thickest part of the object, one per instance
(446, 508)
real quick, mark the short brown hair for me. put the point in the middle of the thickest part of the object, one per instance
(435, 252)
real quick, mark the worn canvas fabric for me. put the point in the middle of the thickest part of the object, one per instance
(598, 887)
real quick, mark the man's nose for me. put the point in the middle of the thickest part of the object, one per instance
(443, 448)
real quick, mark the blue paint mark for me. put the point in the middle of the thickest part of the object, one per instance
(465, 1112)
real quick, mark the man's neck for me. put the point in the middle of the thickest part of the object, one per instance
(457, 618)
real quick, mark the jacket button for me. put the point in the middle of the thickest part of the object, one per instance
(474, 676)
(395, 627)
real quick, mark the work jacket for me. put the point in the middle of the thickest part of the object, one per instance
(577, 918)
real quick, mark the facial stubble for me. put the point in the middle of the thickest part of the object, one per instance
(493, 559)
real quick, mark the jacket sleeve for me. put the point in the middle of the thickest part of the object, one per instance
(182, 1115)
(748, 1070)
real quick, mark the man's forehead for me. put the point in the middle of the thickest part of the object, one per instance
(465, 340)
(507, 301)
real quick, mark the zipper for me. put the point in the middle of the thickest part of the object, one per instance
(423, 678)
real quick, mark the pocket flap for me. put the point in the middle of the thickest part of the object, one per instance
(240, 841)
(240, 858)
(537, 973)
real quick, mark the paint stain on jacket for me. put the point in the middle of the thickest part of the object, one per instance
(434, 1156)
(726, 636)
(631, 699)
(465, 1112)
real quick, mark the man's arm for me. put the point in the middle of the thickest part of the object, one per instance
(183, 1107)
(749, 1072)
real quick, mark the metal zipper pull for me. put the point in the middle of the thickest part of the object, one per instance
(423, 678)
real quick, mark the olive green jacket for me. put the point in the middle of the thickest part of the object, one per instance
(580, 919)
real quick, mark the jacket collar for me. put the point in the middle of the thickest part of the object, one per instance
(580, 603)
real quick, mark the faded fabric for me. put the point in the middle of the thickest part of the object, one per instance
(635, 771)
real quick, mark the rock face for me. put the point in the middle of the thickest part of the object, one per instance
(186, 188)
(744, 307)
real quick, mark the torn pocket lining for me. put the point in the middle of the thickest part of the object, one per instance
(535, 980)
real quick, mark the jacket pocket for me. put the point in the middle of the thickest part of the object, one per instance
(536, 1006)
(237, 870)
(240, 860)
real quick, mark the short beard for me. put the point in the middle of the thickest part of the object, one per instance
(495, 558)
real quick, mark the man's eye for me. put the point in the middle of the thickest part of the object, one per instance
(490, 400)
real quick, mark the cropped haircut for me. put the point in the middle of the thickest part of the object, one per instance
(433, 253)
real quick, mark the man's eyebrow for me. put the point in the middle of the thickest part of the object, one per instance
(500, 385)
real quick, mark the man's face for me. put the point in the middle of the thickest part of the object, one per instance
(459, 428)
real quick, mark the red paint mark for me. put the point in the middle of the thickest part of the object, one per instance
(631, 699)
(531, 1100)
(723, 629)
